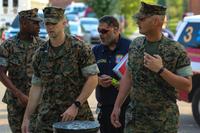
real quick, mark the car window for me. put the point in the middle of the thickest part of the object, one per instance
(15, 23)
(89, 22)
(79, 9)
(73, 29)
(89, 25)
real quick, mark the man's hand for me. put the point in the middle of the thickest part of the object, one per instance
(154, 63)
(25, 126)
(22, 99)
(105, 80)
(70, 114)
(115, 117)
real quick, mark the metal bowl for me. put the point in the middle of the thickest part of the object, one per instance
(76, 127)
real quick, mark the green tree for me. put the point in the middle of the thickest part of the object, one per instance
(104, 7)
(126, 8)
(185, 6)
(110, 7)
(175, 14)
(161, 2)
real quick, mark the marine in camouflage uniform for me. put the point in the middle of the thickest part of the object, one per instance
(15, 58)
(152, 66)
(61, 74)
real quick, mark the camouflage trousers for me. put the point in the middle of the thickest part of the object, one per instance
(15, 118)
(142, 120)
(48, 114)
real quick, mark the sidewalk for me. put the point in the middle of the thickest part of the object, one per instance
(4, 128)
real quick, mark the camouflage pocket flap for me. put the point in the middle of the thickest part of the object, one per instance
(68, 71)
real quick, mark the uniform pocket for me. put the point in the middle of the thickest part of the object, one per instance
(17, 59)
(46, 75)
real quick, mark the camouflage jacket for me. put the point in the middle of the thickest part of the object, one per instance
(16, 56)
(153, 105)
(149, 88)
(62, 79)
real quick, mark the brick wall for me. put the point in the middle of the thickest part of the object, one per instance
(194, 6)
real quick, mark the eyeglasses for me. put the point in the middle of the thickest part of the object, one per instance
(103, 31)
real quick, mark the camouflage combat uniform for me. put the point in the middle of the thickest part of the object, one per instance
(62, 74)
(16, 56)
(153, 107)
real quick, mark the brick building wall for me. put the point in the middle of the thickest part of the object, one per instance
(60, 3)
(194, 6)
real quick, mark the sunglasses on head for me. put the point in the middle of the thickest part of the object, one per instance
(103, 31)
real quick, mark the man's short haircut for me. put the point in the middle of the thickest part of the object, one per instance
(110, 21)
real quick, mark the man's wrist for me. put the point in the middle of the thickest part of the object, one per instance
(17, 93)
(77, 104)
(161, 70)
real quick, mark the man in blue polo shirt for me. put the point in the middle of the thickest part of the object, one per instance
(107, 55)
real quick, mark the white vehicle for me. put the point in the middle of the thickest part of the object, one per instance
(76, 8)
(71, 17)
(76, 30)
(90, 26)
(189, 35)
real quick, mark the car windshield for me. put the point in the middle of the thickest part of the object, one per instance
(85, 22)
(73, 28)
(15, 23)
(89, 25)
(71, 17)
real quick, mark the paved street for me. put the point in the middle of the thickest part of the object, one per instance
(187, 123)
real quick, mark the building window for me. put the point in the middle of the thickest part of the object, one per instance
(5, 3)
(15, 6)
(15, 3)
(5, 6)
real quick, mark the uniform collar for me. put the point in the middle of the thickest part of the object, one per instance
(33, 42)
(66, 48)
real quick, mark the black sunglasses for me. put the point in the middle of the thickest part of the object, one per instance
(103, 31)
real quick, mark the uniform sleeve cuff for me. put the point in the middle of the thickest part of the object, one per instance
(90, 70)
(36, 81)
(3, 62)
(185, 71)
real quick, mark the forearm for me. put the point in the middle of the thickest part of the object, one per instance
(125, 86)
(88, 88)
(34, 97)
(7, 82)
(178, 82)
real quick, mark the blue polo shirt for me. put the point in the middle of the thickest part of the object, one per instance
(106, 61)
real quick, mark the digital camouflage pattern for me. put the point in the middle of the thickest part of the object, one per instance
(62, 81)
(17, 57)
(53, 14)
(153, 107)
(149, 10)
(31, 14)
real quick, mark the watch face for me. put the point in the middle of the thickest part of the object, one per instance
(77, 103)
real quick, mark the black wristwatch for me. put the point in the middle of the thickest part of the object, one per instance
(77, 104)
(161, 70)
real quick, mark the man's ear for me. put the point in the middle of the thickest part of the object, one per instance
(116, 30)
(65, 22)
(156, 20)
